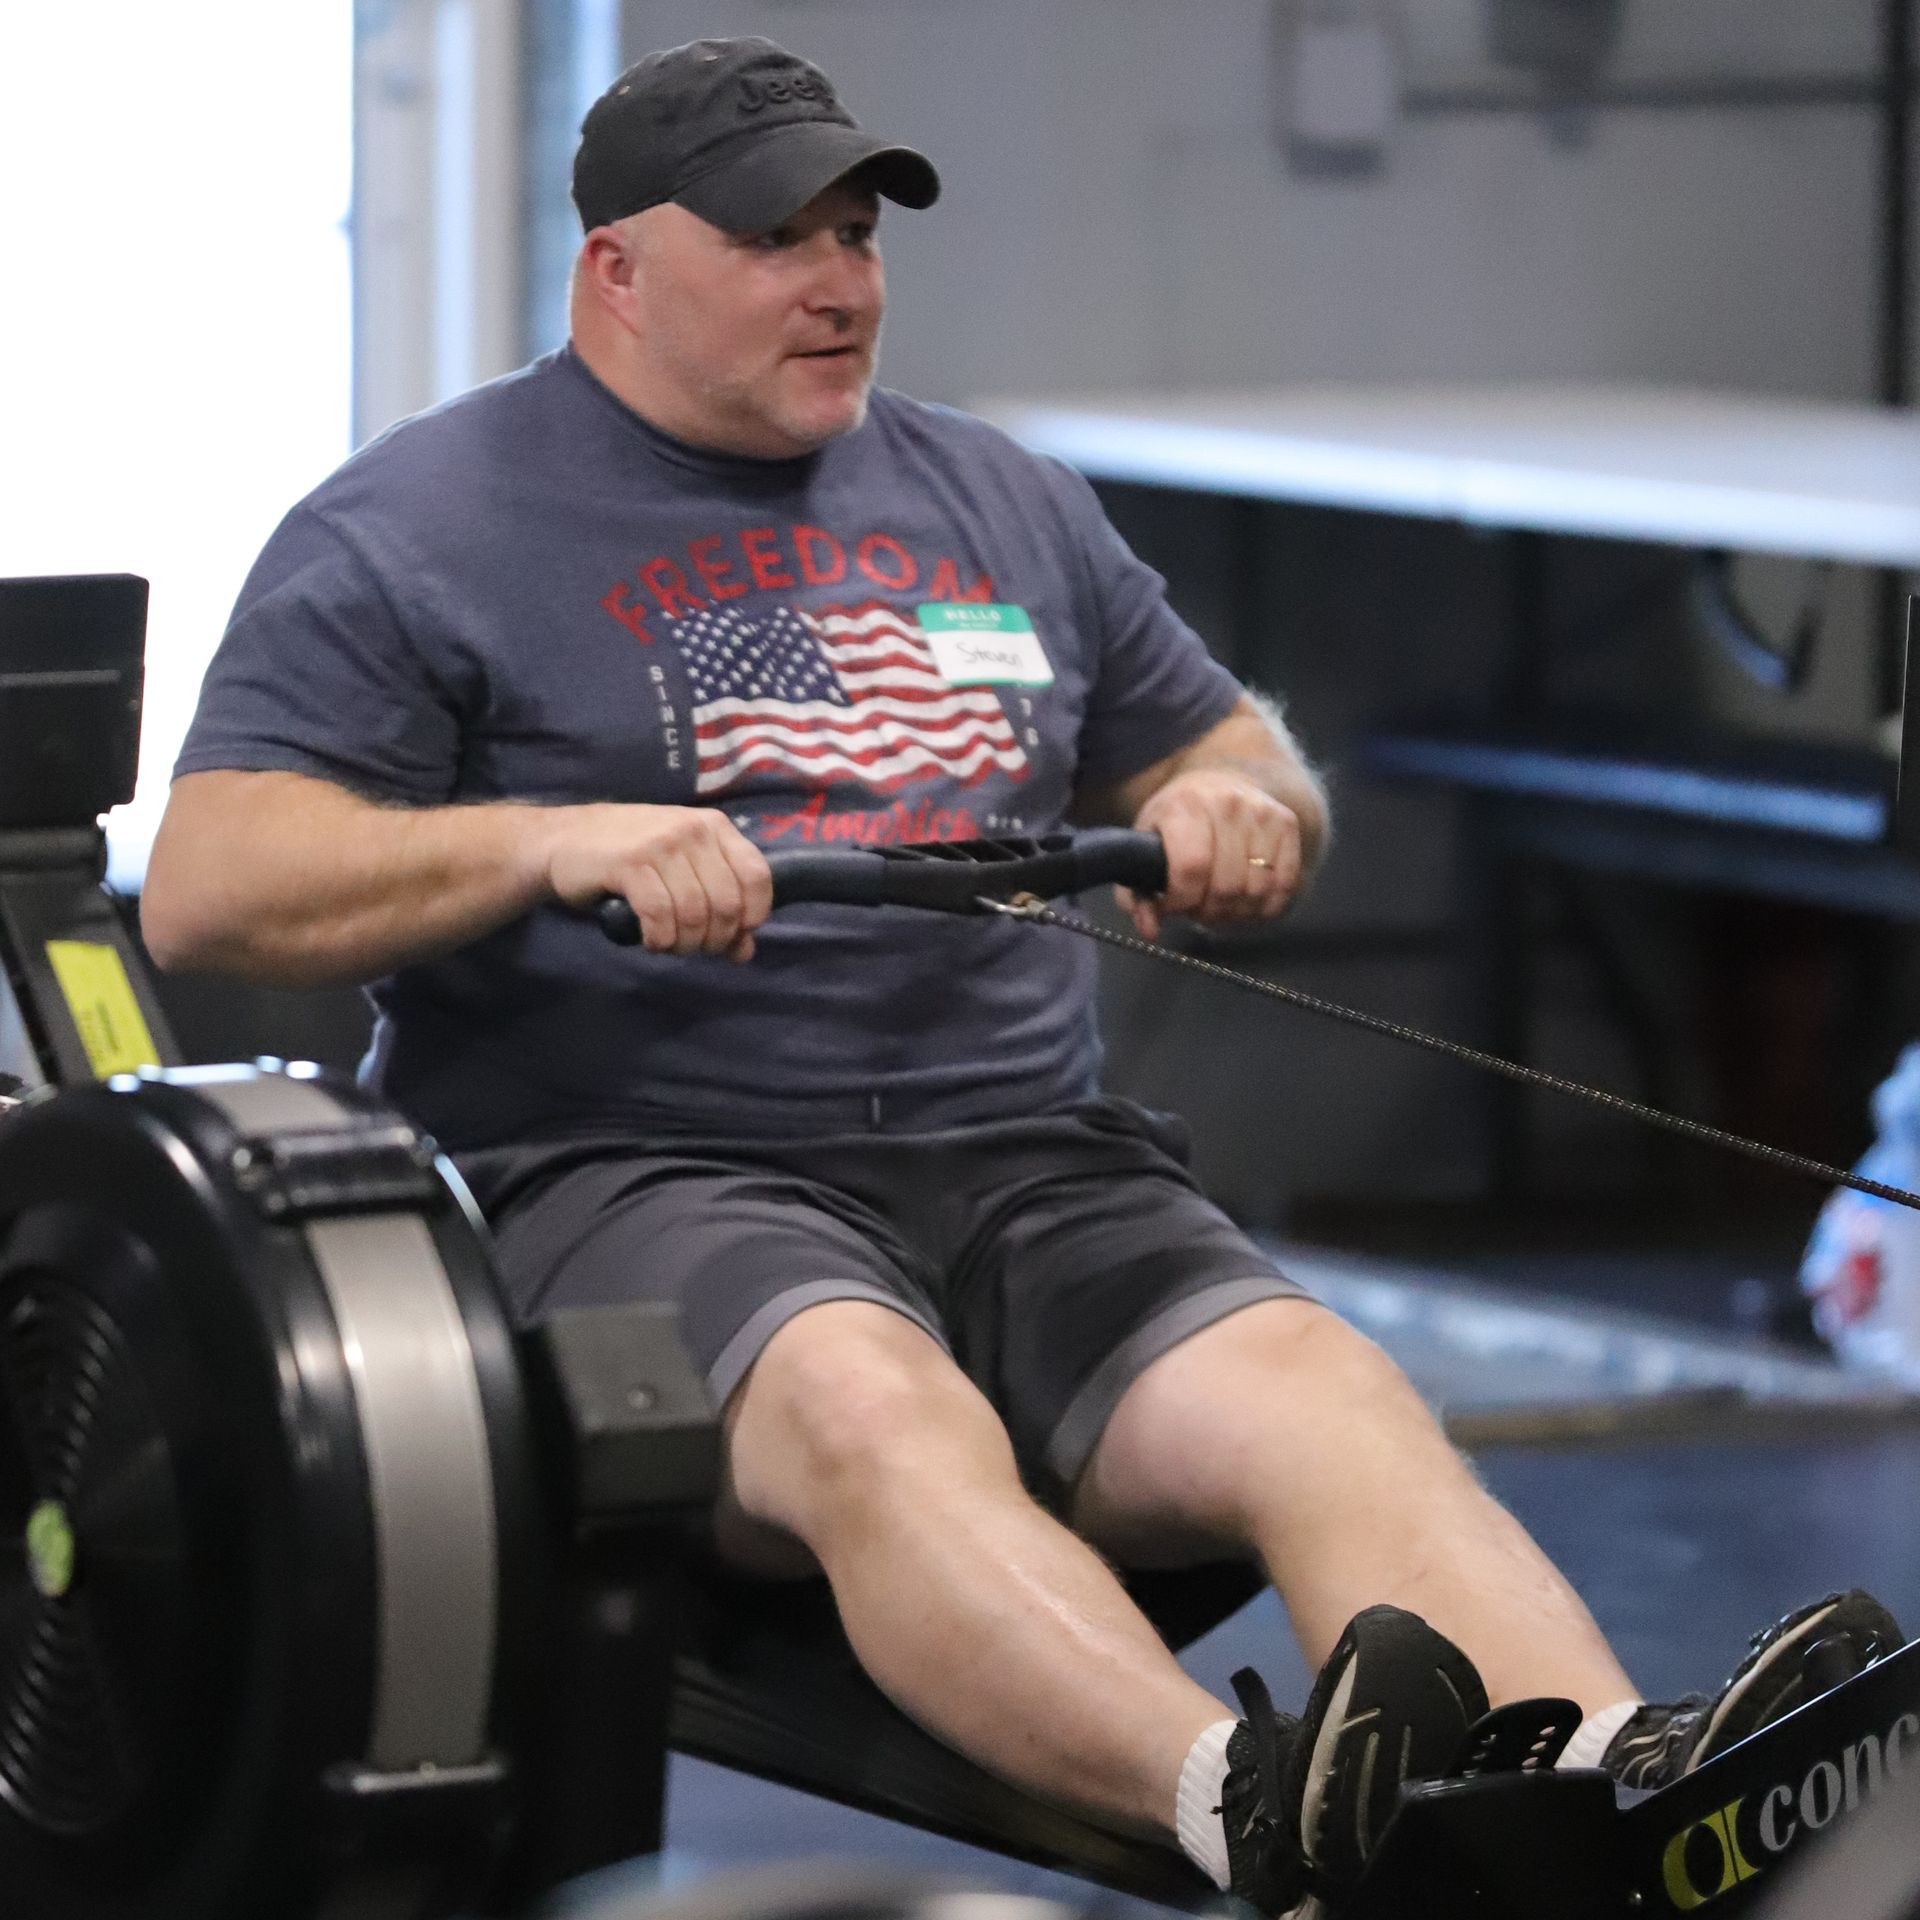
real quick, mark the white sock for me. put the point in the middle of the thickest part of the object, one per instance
(1595, 1734)
(1203, 1780)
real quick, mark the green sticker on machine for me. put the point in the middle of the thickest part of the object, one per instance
(106, 1012)
(978, 643)
(50, 1549)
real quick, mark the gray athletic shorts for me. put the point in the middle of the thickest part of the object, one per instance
(1054, 1257)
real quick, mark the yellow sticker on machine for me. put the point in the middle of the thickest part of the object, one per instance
(93, 979)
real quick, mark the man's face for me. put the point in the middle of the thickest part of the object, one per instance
(761, 343)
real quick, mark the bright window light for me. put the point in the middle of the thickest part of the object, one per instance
(175, 343)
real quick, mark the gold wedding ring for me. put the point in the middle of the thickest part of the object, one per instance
(1254, 860)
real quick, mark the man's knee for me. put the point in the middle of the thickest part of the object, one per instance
(1279, 1353)
(1267, 1390)
(847, 1402)
(1315, 1351)
(1339, 1388)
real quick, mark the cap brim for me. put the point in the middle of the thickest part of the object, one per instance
(769, 182)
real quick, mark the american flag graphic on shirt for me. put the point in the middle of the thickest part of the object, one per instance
(841, 693)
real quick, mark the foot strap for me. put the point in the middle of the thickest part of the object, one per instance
(1524, 1736)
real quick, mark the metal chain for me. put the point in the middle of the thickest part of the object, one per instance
(1041, 914)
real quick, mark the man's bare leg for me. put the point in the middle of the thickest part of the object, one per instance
(1282, 1430)
(974, 1610)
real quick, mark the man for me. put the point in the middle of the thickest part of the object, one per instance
(689, 589)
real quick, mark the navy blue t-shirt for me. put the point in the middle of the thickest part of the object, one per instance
(920, 632)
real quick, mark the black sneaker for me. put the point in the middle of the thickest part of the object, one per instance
(1392, 1704)
(1263, 1856)
(1793, 1661)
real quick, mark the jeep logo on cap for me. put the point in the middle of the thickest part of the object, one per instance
(755, 94)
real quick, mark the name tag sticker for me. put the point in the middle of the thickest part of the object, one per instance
(978, 645)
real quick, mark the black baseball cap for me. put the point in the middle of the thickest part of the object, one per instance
(740, 132)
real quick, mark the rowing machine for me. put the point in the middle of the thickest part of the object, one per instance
(1507, 1837)
(323, 1591)
(319, 1585)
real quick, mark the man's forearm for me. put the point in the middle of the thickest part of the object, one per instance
(294, 882)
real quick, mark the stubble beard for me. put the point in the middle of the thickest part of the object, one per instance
(759, 404)
(804, 428)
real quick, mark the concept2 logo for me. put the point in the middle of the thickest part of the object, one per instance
(1717, 1852)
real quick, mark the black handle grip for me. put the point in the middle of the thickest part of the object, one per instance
(948, 876)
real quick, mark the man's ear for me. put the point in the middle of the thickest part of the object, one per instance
(610, 263)
(613, 260)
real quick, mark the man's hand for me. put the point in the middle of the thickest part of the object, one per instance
(696, 882)
(1233, 850)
